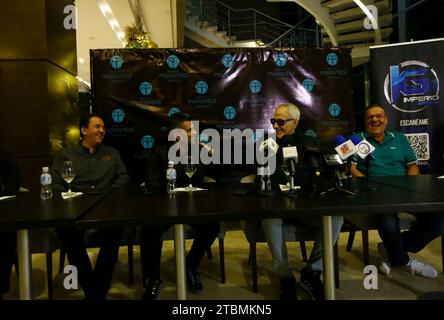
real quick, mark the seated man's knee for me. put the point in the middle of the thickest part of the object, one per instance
(271, 222)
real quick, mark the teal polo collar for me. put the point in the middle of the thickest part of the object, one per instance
(387, 135)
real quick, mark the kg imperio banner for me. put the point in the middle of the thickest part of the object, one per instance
(406, 81)
(137, 91)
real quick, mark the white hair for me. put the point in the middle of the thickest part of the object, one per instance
(292, 110)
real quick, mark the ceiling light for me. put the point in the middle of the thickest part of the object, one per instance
(112, 21)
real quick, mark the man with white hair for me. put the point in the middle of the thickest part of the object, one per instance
(285, 122)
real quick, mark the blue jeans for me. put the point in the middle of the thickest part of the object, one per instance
(426, 228)
(278, 248)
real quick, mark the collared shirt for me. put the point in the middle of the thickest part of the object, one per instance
(392, 156)
(98, 171)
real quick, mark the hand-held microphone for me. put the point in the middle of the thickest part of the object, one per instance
(345, 148)
(364, 148)
(313, 153)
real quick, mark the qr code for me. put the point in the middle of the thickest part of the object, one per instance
(420, 145)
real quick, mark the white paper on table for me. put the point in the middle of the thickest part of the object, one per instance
(185, 189)
(65, 195)
(6, 197)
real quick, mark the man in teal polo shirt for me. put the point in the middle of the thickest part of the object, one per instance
(393, 156)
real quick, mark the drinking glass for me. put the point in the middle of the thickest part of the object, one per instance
(68, 174)
(189, 170)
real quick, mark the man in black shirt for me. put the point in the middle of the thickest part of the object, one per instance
(9, 185)
(97, 168)
(151, 235)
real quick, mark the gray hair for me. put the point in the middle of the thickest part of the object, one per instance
(293, 110)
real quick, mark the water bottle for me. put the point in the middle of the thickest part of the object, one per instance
(171, 177)
(45, 184)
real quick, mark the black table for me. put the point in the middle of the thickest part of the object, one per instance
(27, 211)
(219, 203)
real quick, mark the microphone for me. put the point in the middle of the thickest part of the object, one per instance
(291, 157)
(314, 154)
(364, 148)
(345, 148)
(270, 145)
(364, 151)
(290, 153)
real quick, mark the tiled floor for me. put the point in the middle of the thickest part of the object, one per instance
(402, 285)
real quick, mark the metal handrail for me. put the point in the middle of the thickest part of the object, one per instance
(250, 24)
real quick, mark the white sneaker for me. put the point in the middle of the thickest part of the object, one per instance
(422, 269)
(384, 264)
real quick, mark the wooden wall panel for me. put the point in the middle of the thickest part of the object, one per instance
(24, 108)
(38, 90)
(22, 29)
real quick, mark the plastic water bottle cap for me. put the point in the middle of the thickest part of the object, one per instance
(45, 169)
(170, 164)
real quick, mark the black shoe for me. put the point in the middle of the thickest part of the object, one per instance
(311, 281)
(194, 284)
(152, 289)
(288, 288)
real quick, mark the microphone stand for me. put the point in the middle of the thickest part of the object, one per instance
(368, 186)
(293, 191)
(265, 187)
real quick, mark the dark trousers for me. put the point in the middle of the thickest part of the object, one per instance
(426, 228)
(152, 246)
(95, 283)
(8, 250)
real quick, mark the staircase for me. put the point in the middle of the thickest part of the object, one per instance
(348, 20)
(214, 24)
(342, 23)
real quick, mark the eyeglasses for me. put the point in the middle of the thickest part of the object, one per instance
(280, 122)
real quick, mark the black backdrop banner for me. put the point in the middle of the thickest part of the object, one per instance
(405, 80)
(136, 91)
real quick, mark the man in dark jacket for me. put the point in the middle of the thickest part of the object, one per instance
(151, 235)
(285, 122)
(97, 169)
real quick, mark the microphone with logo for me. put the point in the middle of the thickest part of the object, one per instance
(364, 151)
(290, 160)
(345, 149)
(269, 148)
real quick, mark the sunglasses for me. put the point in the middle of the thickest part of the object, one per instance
(280, 122)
